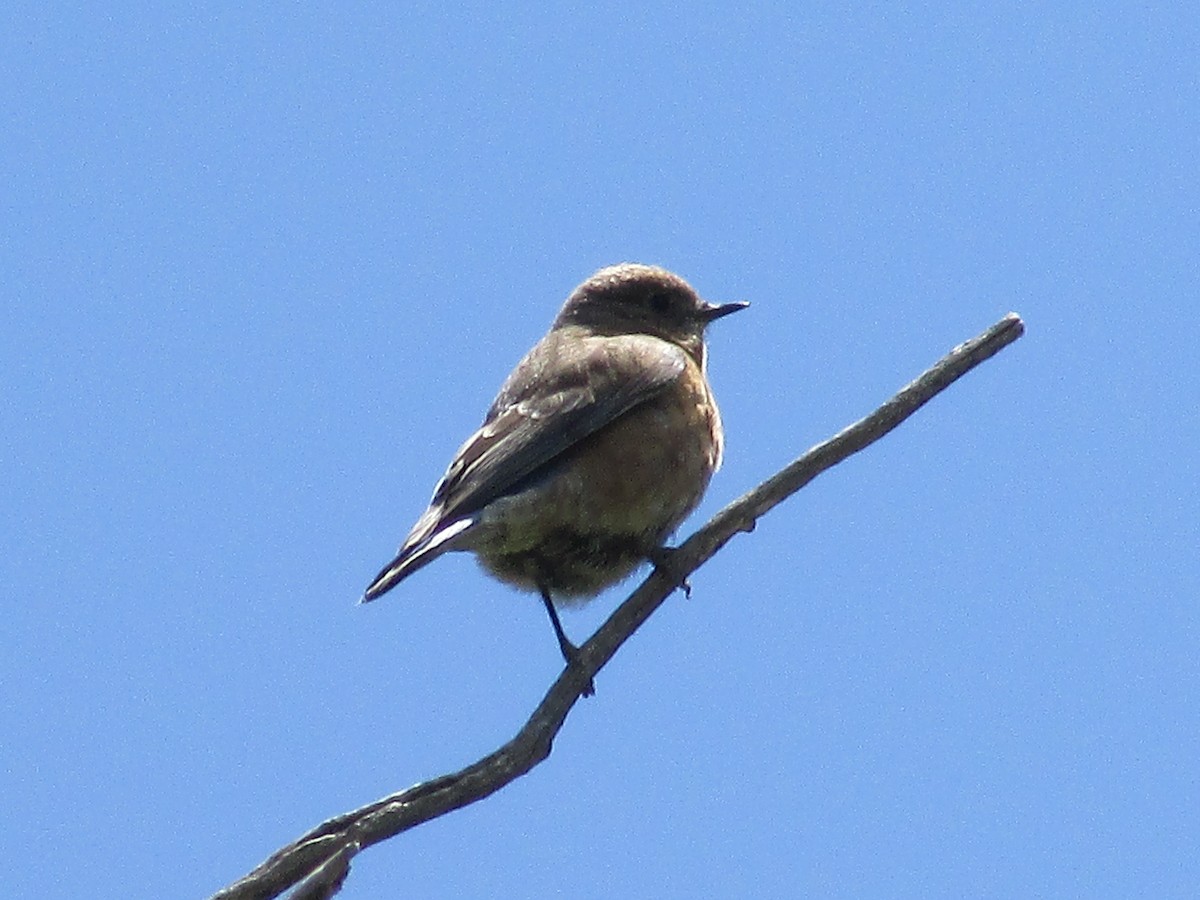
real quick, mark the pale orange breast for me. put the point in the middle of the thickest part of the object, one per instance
(610, 499)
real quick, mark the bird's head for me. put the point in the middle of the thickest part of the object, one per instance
(631, 298)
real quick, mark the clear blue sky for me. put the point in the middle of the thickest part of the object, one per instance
(262, 271)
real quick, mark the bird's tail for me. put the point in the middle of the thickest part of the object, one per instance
(413, 555)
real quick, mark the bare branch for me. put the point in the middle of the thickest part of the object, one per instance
(323, 855)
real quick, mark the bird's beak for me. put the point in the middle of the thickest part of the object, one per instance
(714, 311)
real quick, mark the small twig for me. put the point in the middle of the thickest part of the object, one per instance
(323, 855)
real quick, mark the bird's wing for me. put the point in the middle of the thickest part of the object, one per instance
(562, 391)
(558, 395)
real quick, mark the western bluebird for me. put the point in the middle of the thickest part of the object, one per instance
(599, 444)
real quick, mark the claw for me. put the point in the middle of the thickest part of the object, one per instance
(664, 559)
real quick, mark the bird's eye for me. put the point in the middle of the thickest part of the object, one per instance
(660, 303)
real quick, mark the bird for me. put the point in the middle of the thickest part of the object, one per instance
(600, 442)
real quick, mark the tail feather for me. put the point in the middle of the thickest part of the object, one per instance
(414, 556)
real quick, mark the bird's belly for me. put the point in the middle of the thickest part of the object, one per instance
(589, 519)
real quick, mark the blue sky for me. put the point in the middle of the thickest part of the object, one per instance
(263, 270)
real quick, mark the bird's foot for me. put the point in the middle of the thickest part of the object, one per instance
(666, 560)
(574, 661)
(570, 652)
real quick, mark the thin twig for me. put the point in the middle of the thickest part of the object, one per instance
(333, 844)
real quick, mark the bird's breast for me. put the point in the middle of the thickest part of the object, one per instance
(592, 515)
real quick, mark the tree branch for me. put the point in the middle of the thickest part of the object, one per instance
(319, 861)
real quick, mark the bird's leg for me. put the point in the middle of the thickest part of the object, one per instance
(665, 561)
(569, 651)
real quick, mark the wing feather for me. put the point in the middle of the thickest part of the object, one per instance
(561, 393)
